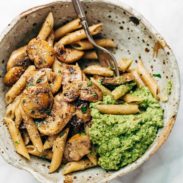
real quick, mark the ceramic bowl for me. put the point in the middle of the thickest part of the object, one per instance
(136, 39)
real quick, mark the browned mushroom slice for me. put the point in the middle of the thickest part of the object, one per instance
(71, 91)
(90, 92)
(71, 73)
(13, 75)
(77, 147)
(69, 55)
(37, 101)
(41, 53)
(117, 80)
(60, 115)
(83, 112)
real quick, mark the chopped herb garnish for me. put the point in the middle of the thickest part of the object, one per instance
(95, 95)
(89, 83)
(84, 109)
(23, 101)
(157, 75)
(60, 72)
(17, 142)
(39, 80)
(32, 112)
(30, 84)
(48, 111)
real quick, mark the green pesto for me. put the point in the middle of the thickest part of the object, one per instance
(121, 139)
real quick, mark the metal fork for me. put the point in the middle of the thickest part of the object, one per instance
(105, 57)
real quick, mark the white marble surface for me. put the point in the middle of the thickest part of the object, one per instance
(167, 165)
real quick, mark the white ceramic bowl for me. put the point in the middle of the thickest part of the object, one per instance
(135, 37)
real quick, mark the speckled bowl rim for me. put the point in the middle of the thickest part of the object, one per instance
(166, 130)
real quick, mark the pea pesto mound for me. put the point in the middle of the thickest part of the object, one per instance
(121, 139)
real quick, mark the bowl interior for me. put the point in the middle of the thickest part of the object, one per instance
(135, 38)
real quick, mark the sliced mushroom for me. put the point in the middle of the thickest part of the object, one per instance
(41, 53)
(37, 101)
(13, 75)
(90, 92)
(47, 76)
(77, 147)
(117, 80)
(71, 73)
(69, 55)
(60, 115)
(71, 91)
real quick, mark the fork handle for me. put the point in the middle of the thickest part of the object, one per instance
(81, 14)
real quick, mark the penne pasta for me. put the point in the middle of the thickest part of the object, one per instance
(49, 142)
(92, 156)
(25, 137)
(98, 70)
(137, 78)
(18, 115)
(148, 80)
(77, 166)
(51, 39)
(17, 138)
(45, 154)
(47, 27)
(19, 85)
(79, 35)
(69, 55)
(129, 98)
(13, 75)
(120, 91)
(32, 131)
(118, 109)
(17, 58)
(104, 90)
(86, 45)
(124, 64)
(58, 151)
(90, 55)
(67, 28)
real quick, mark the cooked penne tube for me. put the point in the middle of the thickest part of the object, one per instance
(49, 142)
(17, 138)
(69, 55)
(129, 98)
(47, 154)
(79, 35)
(13, 75)
(127, 77)
(77, 166)
(86, 45)
(137, 78)
(25, 137)
(124, 64)
(17, 88)
(58, 79)
(18, 115)
(58, 151)
(47, 27)
(11, 108)
(92, 156)
(67, 28)
(148, 80)
(17, 58)
(120, 91)
(90, 55)
(98, 70)
(51, 39)
(118, 109)
(104, 90)
(32, 131)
